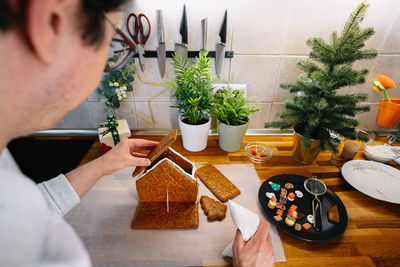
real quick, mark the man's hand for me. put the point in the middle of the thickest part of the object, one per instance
(124, 154)
(257, 251)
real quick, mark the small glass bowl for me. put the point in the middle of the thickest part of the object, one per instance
(258, 153)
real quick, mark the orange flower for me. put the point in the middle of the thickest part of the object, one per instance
(386, 82)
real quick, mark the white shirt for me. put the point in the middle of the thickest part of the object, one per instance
(32, 230)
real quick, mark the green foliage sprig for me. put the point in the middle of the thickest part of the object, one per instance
(229, 106)
(318, 111)
(193, 87)
(115, 85)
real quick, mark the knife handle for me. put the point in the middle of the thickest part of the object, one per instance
(222, 31)
(183, 30)
(160, 26)
(204, 33)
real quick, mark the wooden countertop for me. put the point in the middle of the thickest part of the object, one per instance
(372, 237)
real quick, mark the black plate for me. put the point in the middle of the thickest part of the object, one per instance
(329, 230)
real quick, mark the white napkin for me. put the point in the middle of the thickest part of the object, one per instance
(246, 221)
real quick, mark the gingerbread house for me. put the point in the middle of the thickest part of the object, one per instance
(167, 190)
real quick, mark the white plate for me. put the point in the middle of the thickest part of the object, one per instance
(374, 179)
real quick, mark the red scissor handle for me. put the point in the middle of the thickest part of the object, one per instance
(145, 37)
(135, 28)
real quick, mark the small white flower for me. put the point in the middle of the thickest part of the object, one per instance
(110, 84)
(116, 84)
(119, 98)
(124, 88)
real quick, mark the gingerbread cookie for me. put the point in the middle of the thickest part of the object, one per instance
(161, 147)
(297, 227)
(283, 195)
(289, 186)
(272, 202)
(212, 208)
(333, 215)
(281, 206)
(218, 184)
(278, 218)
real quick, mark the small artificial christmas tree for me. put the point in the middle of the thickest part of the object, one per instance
(318, 111)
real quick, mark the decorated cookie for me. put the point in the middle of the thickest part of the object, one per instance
(310, 218)
(289, 221)
(283, 196)
(297, 227)
(306, 226)
(281, 206)
(278, 218)
(289, 186)
(279, 212)
(298, 193)
(290, 197)
(274, 186)
(292, 212)
(269, 194)
(291, 215)
(272, 202)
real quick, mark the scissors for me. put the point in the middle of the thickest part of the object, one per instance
(137, 34)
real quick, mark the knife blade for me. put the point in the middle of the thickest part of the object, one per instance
(220, 47)
(204, 33)
(182, 46)
(161, 44)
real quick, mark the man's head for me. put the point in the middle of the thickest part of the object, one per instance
(52, 56)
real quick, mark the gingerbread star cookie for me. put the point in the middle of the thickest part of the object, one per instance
(212, 208)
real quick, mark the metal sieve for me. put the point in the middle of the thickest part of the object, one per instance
(317, 188)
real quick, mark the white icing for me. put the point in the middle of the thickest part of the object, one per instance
(176, 165)
(269, 194)
(310, 218)
(298, 193)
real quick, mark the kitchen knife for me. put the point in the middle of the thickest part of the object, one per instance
(161, 44)
(220, 48)
(182, 46)
(204, 33)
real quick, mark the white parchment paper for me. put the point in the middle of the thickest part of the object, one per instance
(103, 221)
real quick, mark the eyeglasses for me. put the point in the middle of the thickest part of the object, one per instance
(128, 48)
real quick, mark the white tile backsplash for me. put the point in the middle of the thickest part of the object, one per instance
(268, 37)
(258, 119)
(165, 116)
(258, 72)
(288, 73)
(126, 110)
(79, 118)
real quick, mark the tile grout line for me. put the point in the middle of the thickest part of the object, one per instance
(291, 10)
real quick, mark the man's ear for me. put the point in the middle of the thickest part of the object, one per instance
(44, 25)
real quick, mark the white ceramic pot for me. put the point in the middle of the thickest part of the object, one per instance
(231, 137)
(194, 137)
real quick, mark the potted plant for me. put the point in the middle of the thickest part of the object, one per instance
(113, 89)
(318, 113)
(389, 109)
(193, 90)
(232, 112)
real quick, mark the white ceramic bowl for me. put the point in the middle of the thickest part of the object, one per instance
(258, 152)
(383, 155)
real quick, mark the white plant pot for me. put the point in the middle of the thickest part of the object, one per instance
(194, 137)
(231, 137)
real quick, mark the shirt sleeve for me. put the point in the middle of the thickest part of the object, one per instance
(59, 194)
